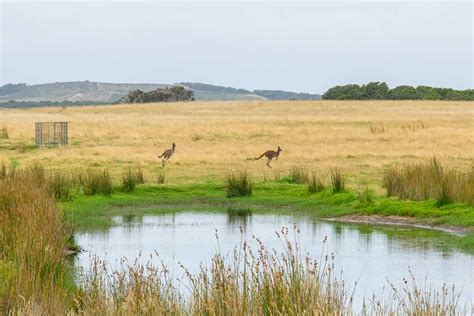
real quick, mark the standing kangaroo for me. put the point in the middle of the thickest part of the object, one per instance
(167, 154)
(270, 154)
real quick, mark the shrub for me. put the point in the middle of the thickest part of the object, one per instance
(238, 185)
(315, 184)
(300, 175)
(337, 181)
(96, 182)
(424, 181)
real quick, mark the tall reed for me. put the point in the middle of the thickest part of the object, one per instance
(315, 184)
(238, 185)
(33, 238)
(131, 177)
(337, 181)
(96, 182)
(4, 133)
(423, 181)
(300, 175)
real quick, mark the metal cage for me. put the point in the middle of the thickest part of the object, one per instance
(51, 133)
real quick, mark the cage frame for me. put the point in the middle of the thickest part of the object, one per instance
(51, 134)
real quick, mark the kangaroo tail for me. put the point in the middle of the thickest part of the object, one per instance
(257, 158)
(159, 156)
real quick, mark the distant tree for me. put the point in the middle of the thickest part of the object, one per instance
(380, 90)
(347, 92)
(403, 93)
(375, 91)
(173, 94)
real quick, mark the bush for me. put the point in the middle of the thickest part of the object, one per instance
(96, 182)
(337, 181)
(315, 184)
(239, 185)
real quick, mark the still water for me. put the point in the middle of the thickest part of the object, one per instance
(365, 254)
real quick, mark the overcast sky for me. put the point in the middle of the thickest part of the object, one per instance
(303, 46)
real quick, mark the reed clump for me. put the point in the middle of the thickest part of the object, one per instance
(3, 171)
(60, 184)
(4, 133)
(131, 178)
(365, 195)
(34, 270)
(161, 178)
(425, 181)
(315, 184)
(300, 175)
(96, 182)
(238, 184)
(337, 180)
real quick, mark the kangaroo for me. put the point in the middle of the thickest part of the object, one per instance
(270, 154)
(167, 154)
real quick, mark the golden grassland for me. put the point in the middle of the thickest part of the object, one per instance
(360, 137)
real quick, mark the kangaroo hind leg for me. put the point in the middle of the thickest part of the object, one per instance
(268, 163)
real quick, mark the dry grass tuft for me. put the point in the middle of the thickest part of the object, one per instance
(424, 181)
(34, 270)
(238, 185)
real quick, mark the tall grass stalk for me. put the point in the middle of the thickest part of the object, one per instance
(161, 177)
(238, 185)
(315, 184)
(34, 271)
(3, 171)
(4, 133)
(300, 175)
(131, 177)
(96, 182)
(337, 181)
(423, 181)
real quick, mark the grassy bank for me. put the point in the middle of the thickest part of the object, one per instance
(97, 211)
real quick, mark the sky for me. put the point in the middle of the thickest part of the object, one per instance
(305, 46)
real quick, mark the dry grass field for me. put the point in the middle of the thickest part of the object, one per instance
(360, 137)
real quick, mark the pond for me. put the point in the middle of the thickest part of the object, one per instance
(366, 254)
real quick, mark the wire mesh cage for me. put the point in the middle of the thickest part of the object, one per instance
(51, 133)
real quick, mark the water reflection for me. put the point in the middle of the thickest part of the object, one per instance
(366, 253)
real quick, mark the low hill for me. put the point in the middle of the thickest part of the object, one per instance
(101, 92)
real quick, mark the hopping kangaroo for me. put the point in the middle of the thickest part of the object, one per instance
(167, 154)
(270, 154)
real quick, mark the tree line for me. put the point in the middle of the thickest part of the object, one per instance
(173, 94)
(380, 91)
